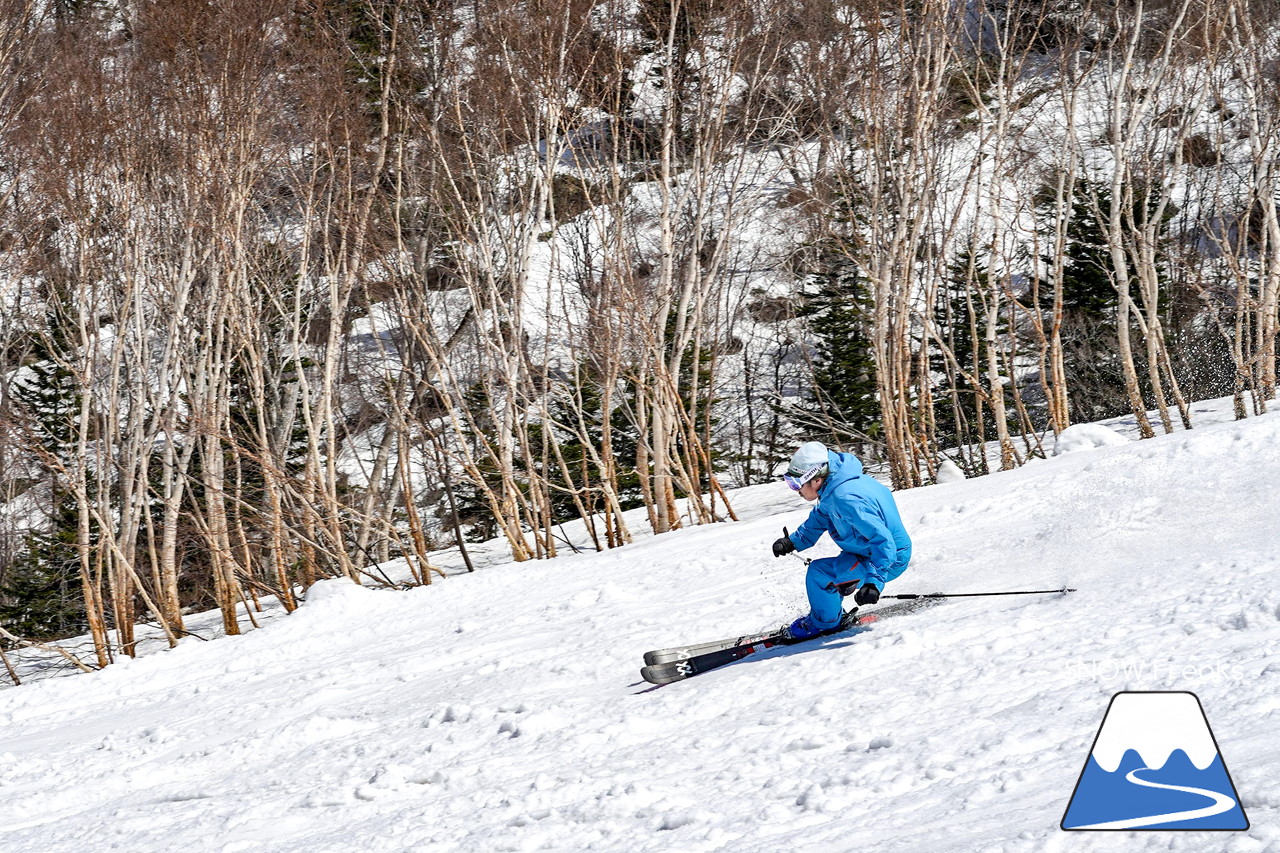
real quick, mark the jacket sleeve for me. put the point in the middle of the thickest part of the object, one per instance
(864, 517)
(808, 533)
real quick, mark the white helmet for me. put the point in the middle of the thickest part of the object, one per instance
(810, 460)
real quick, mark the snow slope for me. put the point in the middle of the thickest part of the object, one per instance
(501, 711)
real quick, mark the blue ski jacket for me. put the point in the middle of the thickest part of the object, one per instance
(862, 518)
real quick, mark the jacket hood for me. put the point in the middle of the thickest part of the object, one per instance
(844, 467)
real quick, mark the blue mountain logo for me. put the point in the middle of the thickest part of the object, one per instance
(1155, 765)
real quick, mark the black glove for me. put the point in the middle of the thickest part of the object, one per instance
(783, 547)
(867, 595)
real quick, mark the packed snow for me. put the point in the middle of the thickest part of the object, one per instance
(503, 711)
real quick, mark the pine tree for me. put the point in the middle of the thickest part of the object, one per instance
(1095, 381)
(582, 468)
(844, 373)
(1087, 291)
(42, 597)
(956, 399)
(474, 513)
(962, 410)
(48, 393)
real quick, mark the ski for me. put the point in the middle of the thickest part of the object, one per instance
(677, 670)
(682, 668)
(659, 656)
(702, 657)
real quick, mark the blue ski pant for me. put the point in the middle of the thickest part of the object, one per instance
(825, 574)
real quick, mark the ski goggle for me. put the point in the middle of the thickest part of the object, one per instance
(795, 481)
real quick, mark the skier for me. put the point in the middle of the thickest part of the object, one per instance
(862, 518)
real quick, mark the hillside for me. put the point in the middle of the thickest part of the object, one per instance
(290, 288)
(501, 710)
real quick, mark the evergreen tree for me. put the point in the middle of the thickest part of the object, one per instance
(1090, 339)
(477, 519)
(838, 307)
(47, 391)
(583, 474)
(956, 398)
(474, 513)
(1095, 381)
(1087, 291)
(42, 597)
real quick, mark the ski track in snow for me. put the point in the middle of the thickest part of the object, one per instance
(498, 711)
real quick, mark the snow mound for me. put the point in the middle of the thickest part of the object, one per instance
(1087, 437)
(337, 598)
(949, 472)
(335, 593)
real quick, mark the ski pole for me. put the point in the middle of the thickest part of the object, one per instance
(846, 588)
(914, 595)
